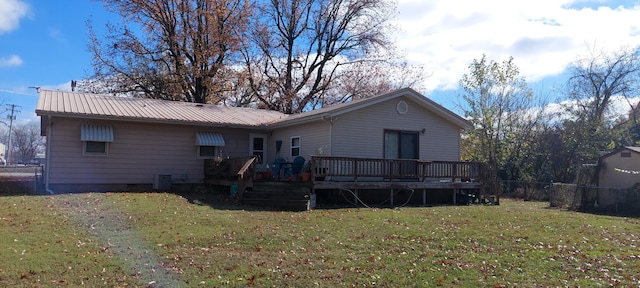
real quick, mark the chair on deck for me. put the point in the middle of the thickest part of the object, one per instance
(298, 163)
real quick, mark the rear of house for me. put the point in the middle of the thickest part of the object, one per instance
(124, 156)
(398, 125)
(105, 143)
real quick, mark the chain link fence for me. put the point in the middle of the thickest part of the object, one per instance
(599, 200)
(533, 191)
(583, 198)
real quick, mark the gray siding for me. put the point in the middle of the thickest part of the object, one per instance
(360, 133)
(312, 136)
(139, 151)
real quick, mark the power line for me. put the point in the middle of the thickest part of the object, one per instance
(14, 109)
(17, 92)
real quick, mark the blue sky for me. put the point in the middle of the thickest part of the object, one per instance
(44, 43)
(45, 46)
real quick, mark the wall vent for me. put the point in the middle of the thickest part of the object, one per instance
(162, 182)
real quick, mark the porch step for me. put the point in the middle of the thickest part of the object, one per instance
(292, 196)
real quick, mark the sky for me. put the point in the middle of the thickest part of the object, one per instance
(44, 43)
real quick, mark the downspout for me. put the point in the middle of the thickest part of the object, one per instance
(48, 157)
(330, 121)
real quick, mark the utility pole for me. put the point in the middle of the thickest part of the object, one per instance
(14, 109)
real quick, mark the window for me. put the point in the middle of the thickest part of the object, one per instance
(95, 139)
(207, 151)
(208, 143)
(625, 154)
(295, 146)
(400, 145)
(95, 148)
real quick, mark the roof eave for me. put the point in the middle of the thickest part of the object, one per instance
(147, 120)
(297, 121)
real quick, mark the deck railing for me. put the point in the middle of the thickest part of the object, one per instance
(228, 168)
(239, 170)
(359, 169)
(356, 169)
(245, 175)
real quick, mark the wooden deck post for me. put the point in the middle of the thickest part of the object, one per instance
(424, 197)
(391, 197)
(455, 192)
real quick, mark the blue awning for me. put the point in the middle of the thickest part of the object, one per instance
(204, 138)
(96, 133)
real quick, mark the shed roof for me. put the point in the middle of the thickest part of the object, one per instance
(630, 148)
(94, 106)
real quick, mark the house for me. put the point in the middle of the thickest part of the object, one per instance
(108, 143)
(402, 124)
(619, 169)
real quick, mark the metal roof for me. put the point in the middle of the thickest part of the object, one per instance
(86, 105)
(75, 104)
(629, 148)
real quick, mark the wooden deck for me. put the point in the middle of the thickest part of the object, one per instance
(359, 176)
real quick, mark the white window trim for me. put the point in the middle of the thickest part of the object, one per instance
(85, 153)
(292, 147)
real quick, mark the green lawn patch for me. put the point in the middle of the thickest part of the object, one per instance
(166, 240)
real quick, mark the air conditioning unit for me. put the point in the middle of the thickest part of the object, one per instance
(162, 182)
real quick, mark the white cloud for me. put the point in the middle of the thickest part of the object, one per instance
(11, 11)
(13, 60)
(543, 36)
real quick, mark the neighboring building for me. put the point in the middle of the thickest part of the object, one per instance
(107, 143)
(620, 168)
(39, 159)
(3, 157)
(617, 170)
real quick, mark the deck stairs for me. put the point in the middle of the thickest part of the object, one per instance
(292, 196)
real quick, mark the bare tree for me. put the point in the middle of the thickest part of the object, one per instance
(298, 47)
(593, 83)
(27, 142)
(376, 75)
(594, 80)
(168, 49)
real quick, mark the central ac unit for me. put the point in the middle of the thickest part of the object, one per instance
(162, 182)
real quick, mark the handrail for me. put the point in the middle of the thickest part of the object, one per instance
(226, 168)
(394, 169)
(248, 169)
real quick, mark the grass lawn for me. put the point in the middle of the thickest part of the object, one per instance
(168, 240)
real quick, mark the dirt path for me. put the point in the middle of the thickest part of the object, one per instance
(111, 226)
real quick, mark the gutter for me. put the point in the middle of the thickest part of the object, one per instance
(48, 157)
(330, 121)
